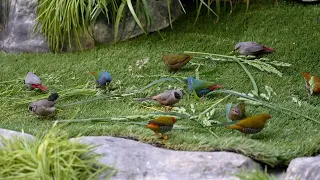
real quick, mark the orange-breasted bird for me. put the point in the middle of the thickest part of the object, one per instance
(162, 125)
(251, 125)
(316, 85)
(176, 61)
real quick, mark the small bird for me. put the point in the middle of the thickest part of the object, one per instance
(176, 61)
(167, 98)
(32, 81)
(251, 125)
(102, 78)
(237, 112)
(316, 83)
(44, 107)
(162, 125)
(252, 48)
(200, 86)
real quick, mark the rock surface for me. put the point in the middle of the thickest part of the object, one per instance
(104, 33)
(8, 134)
(19, 34)
(139, 161)
(305, 168)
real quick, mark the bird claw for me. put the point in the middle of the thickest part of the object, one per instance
(167, 108)
(165, 138)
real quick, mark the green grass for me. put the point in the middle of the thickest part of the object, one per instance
(292, 29)
(50, 156)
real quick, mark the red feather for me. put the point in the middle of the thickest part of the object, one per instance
(217, 86)
(267, 49)
(40, 86)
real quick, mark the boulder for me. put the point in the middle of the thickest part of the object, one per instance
(8, 134)
(305, 168)
(19, 35)
(139, 161)
(104, 32)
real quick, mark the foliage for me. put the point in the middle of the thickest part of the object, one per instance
(62, 20)
(285, 137)
(50, 156)
(67, 21)
(4, 12)
(255, 174)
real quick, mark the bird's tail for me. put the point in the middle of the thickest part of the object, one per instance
(53, 97)
(40, 86)
(267, 49)
(216, 86)
(144, 99)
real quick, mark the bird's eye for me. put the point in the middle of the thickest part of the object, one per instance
(177, 95)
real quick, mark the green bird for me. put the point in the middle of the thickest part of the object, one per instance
(201, 87)
(176, 61)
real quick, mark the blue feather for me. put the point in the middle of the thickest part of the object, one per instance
(104, 78)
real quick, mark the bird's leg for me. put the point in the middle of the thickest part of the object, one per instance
(167, 108)
(156, 133)
(307, 88)
(165, 138)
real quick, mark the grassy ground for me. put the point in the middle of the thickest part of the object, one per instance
(292, 29)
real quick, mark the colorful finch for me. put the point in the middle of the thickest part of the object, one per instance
(252, 48)
(32, 81)
(251, 125)
(161, 125)
(201, 87)
(176, 61)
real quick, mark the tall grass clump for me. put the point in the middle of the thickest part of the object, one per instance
(65, 21)
(51, 156)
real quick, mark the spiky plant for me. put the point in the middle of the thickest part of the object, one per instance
(49, 156)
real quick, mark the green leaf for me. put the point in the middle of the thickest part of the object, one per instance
(227, 111)
(119, 15)
(129, 3)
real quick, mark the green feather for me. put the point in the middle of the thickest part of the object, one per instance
(200, 84)
(228, 109)
(163, 120)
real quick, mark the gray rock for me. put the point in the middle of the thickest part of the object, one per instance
(138, 161)
(104, 33)
(18, 35)
(305, 168)
(8, 134)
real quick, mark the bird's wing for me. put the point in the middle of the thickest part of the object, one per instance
(200, 84)
(162, 121)
(45, 103)
(164, 96)
(254, 47)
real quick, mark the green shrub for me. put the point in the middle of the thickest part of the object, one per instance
(51, 156)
